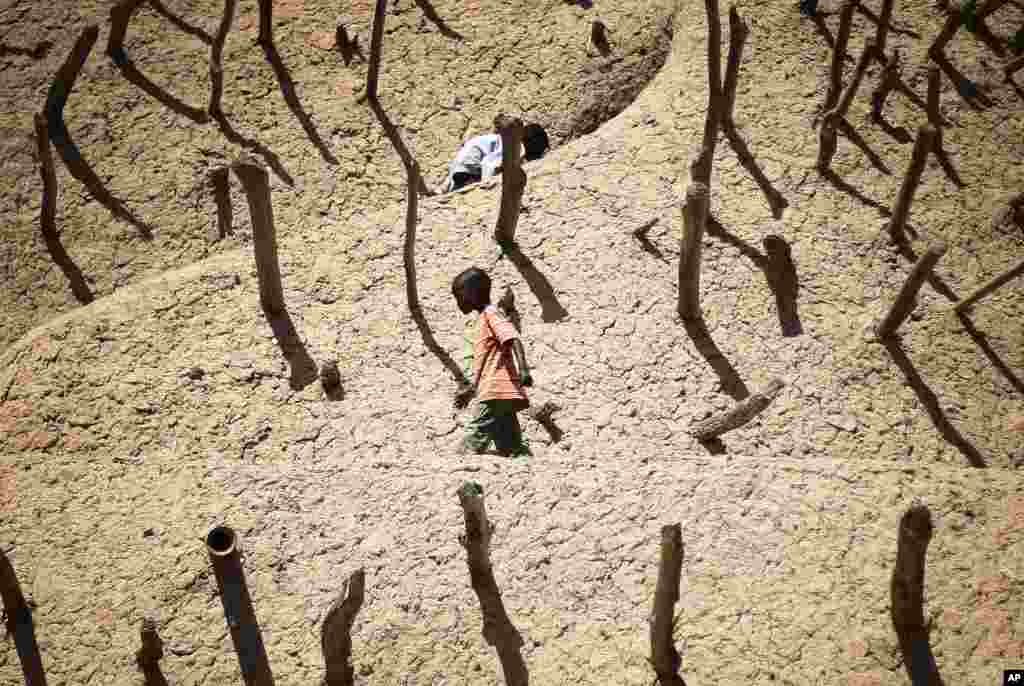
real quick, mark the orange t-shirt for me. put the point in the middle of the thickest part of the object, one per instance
(493, 360)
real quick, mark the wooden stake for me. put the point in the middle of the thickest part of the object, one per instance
(255, 181)
(152, 649)
(336, 632)
(949, 29)
(907, 596)
(887, 82)
(412, 174)
(827, 141)
(498, 629)
(220, 188)
(991, 287)
(700, 168)
(882, 32)
(934, 82)
(19, 624)
(740, 414)
(835, 82)
(695, 216)
(924, 144)
(120, 17)
(216, 57)
(266, 36)
(664, 657)
(513, 178)
(907, 297)
(376, 41)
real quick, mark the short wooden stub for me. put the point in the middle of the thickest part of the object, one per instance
(151, 648)
(923, 145)
(664, 657)
(906, 299)
(695, 217)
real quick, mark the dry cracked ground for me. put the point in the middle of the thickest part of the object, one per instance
(131, 426)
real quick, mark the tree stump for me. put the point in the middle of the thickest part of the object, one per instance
(695, 216)
(740, 414)
(255, 181)
(907, 297)
(664, 657)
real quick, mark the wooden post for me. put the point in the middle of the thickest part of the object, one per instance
(120, 16)
(835, 81)
(255, 181)
(695, 216)
(700, 168)
(216, 58)
(887, 82)
(923, 145)
(1013, 67)
(412, 296)
(664, 657)
(949, 29)
(934, 82)
(222, 547)
(827, 141)
(64, 82)
(19, 624)
(990, 287)
(376, 41)
(882, 32)
(513, 178)
(740, 414)
(907, 596)
(336, 632)
(152, 649)
(266, 36)
(907, 297)
(498, 629)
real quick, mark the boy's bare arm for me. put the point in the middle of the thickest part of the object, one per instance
(524, 370)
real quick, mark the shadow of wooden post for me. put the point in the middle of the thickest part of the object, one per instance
(664, 657)
(222, 546)
(906, 299)
(907, 596)
(19, 624)
(216, 59)
(498, 629)
(219, 186)
(336, 631)
(120, 17)
(255, 181)
(150, 652)
(513, 178)
(990, 287)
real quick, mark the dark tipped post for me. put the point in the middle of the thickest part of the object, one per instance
(835, 80)
(907, 596)
(336, 632)
(695, 216)
(700, 168)
(907, 297)
(255, 181)
(498, 629)
(222, 546)
(120, 16)
(19, 624)
(376, 42)
(664, 656)
(216, 58)
(513, 178)
(266, 36)
(923, 145)
(990, 287)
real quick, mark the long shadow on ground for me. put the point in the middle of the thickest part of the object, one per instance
(140, 80)
(284, 80)
(432, 15)
(302, 367)
(932, 405)
(551, 309)
(982, 342)
(731, 381)
(268, 155)
(19, 623)
(180, 23)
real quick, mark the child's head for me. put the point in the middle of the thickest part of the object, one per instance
(472, 290)
(535, 141)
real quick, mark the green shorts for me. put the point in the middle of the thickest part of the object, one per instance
(496, 420)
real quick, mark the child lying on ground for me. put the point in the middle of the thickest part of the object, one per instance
(480, 157)
(500, 372)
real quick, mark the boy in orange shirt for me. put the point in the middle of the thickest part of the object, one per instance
(500, 371)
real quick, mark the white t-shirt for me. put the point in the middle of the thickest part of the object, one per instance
(480, 155)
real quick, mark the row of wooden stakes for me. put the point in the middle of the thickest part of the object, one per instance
(224, 551)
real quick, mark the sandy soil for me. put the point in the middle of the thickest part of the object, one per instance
(118, 456)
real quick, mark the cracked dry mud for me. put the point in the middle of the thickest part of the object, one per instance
(131, 426)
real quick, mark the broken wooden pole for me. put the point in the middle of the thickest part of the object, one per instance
(835, 79)
(1013, 67)
(120, 16)
(906, 299)
(990, 287)
(336, 631)
(827, 139)
(906, 591)
(255, 182)
(18, 616)
(266, 35)
(700, 168)
(498, 629)
(376, 41)
(665, 657)
(923, 144)
(223, 549)
(513, 178)
(149, 654)
(216, 58)
(740, 414)
(695, 216)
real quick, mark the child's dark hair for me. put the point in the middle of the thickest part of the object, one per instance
(535, 140)
(476, 281)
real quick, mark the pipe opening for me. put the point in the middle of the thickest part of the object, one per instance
(221, 540)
